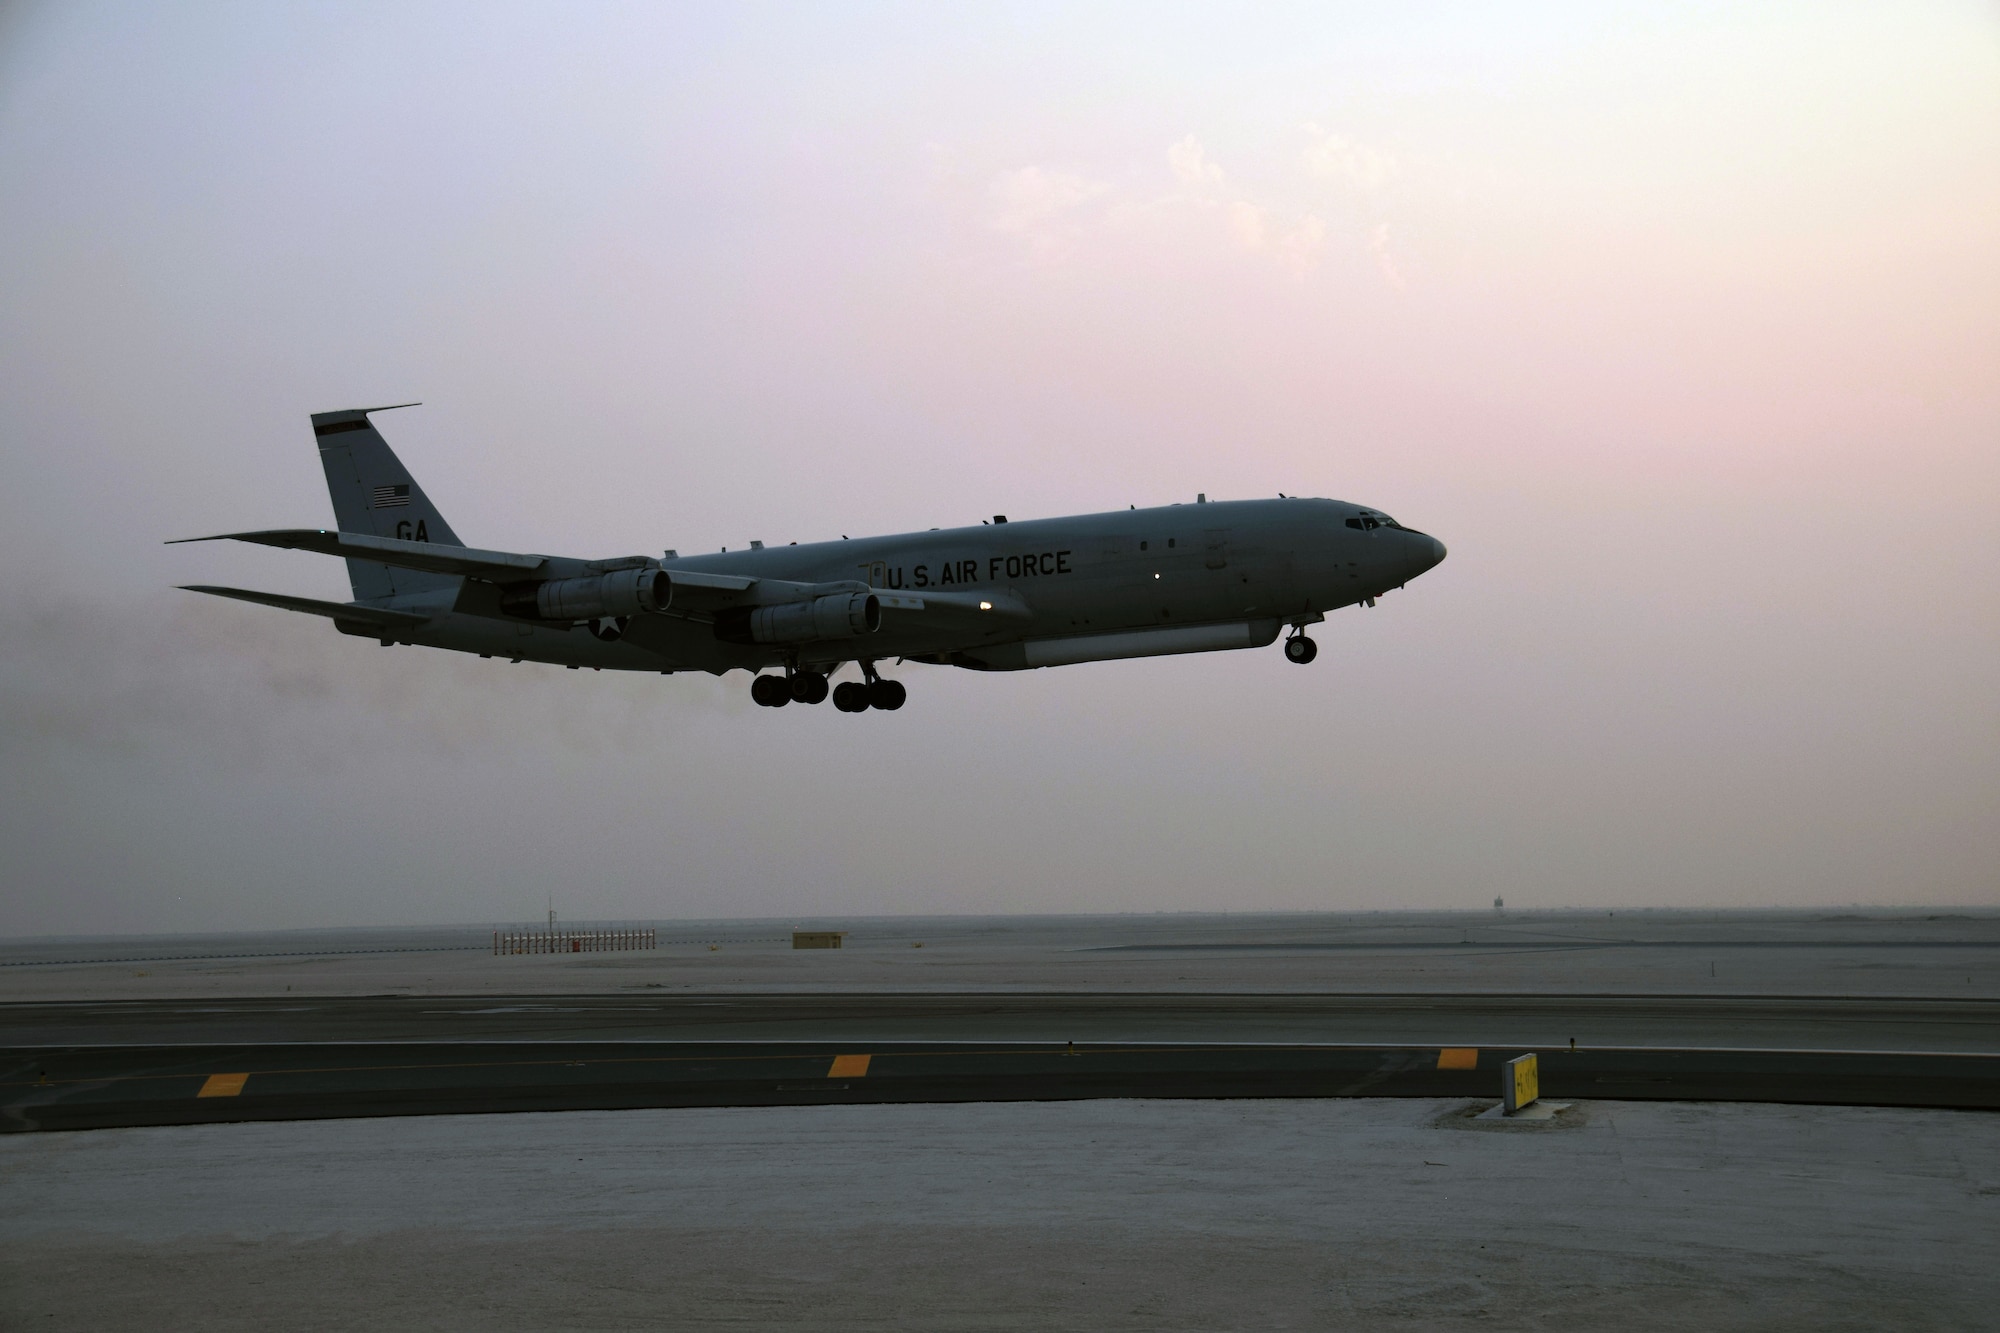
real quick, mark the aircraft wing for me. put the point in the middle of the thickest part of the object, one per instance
(374, 617)
(953, 607)
(699, 593)
(699, 596)
(464, 561)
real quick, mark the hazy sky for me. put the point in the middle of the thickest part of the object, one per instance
(1680, 325)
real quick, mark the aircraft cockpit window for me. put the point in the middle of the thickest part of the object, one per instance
(1369, 522)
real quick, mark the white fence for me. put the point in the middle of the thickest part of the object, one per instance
(567, 940)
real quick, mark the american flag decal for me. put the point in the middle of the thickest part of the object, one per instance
(391, 497)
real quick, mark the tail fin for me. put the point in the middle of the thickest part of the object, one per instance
(374, 494)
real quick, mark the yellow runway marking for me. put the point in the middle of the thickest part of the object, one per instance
(223, 1085)
(849, 1066)
(1458, 1057)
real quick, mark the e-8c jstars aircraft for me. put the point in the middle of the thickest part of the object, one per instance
(997, 597)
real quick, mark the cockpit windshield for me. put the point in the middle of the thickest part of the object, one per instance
(1368, 519)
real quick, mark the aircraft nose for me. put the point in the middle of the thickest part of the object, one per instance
(1426, 553)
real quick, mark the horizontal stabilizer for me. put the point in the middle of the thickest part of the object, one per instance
(374, 617)
(497, 566)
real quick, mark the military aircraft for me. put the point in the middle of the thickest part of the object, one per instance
(1000, 596)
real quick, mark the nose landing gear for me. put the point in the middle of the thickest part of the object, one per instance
(1300, 649)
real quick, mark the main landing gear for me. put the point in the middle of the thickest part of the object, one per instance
(1300, 649)
(810, 687)
(804, 687)
(853, 696)
(871, 691)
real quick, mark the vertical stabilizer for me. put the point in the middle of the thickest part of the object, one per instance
(373, 493)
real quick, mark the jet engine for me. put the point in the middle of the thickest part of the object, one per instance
(841, 615)
(624, 592)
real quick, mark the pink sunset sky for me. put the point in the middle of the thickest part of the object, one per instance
(1680, 325)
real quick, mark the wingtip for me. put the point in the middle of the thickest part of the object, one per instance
(348, 412)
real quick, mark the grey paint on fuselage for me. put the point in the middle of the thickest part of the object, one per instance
(996, 597)
(1257, 564)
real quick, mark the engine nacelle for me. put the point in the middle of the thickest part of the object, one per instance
(624, 592)
(840, 615)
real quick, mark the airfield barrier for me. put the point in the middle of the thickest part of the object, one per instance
(573, 941)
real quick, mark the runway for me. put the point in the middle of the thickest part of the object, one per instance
(976, 1010)
(1935, 1023)
(107, 1087)
(976, 1104)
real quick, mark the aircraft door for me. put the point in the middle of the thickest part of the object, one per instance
(1216, 548)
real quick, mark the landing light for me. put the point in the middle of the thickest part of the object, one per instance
(986, 606)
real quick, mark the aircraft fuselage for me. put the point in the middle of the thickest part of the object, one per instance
(1240, 570)
(998, 596)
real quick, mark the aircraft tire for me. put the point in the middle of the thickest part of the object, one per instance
(809, 687)
(850, 696)
(1300, 649)
(770, 691)
(887, 695)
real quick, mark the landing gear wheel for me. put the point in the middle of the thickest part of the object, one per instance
(809, 687)
(1300, 649)
(770, 691)
(850, 696)
(887, 695)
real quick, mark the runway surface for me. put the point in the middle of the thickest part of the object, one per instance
(1111, 1122)
(1842, 1008)
(1442, 1018)
(94, 1065)
(122, 1086)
